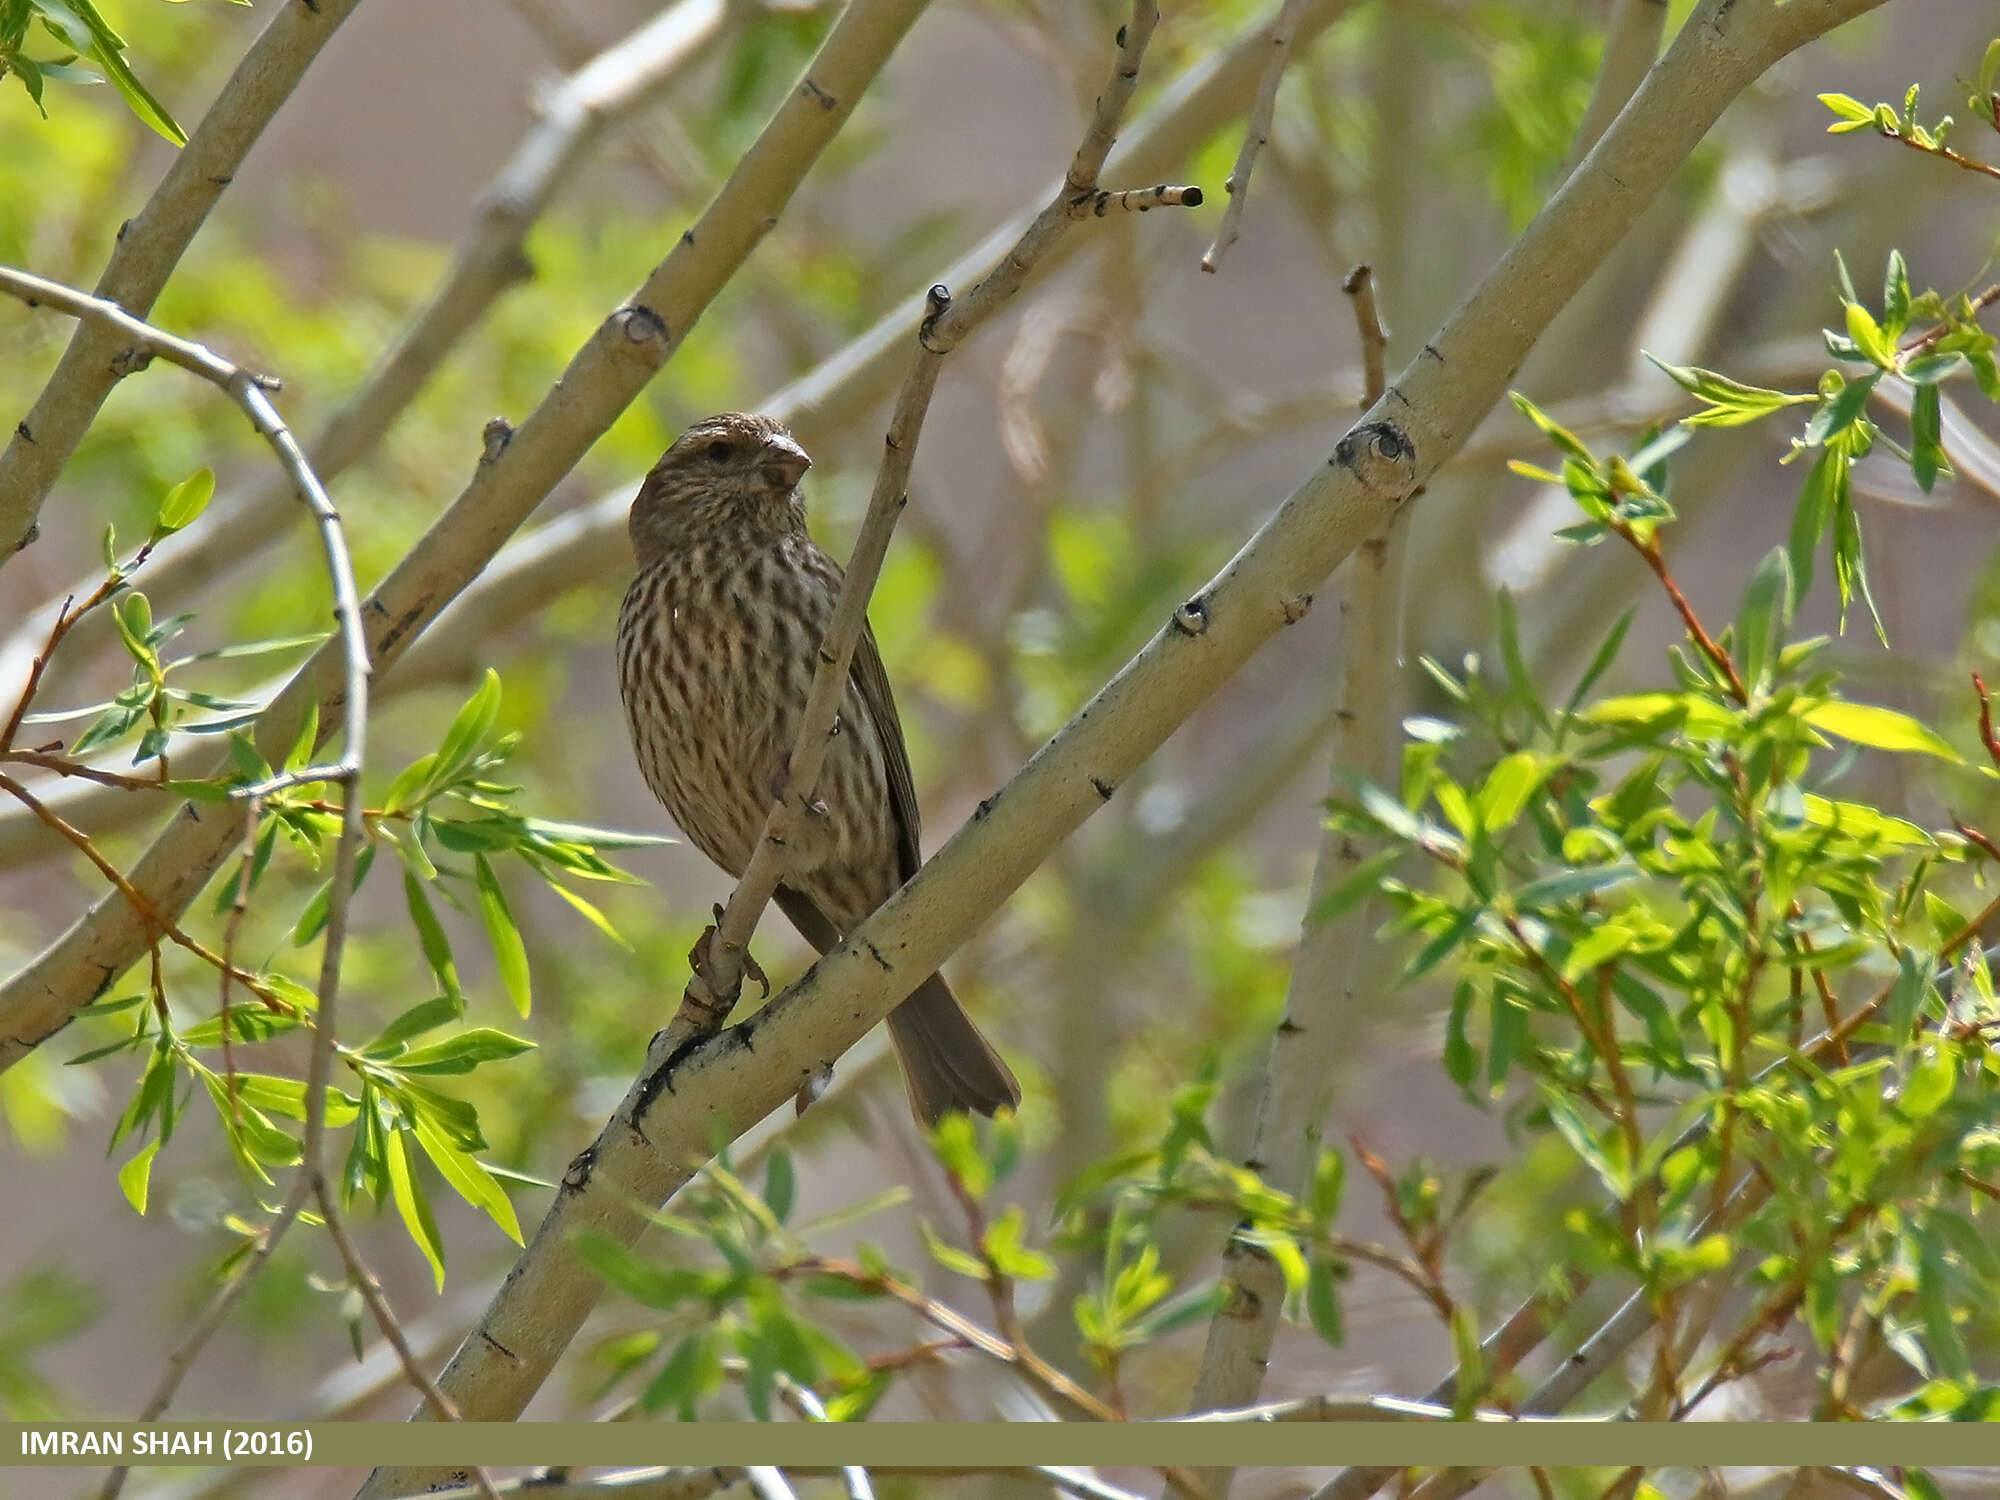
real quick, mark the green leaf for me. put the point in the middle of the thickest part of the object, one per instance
(1929, 1085)
(1567, 885)
(184, 503)
(950, 1256)
(1565, 440)
(1600, 663)
(1848, 109)
(1879, 728)
(1731, 402)
(1357, 886)
(1615, 1174)
(413, 1204)
(591, 915)
(1927, 457)
(1010, 1256)
(509, 952)
(135, 1177)
(468, 1178)
(1508, 788)
(468, 731)
(312, 921)
(1461, 1058)
(437, 947)
(1869, 337)
(780, 1184)
(1323, 1303)
(1824, 491)
(462, 1053)
(1764, 617)
(108, 48)
(426, 1015)
(1841, 409)
(1895, 300)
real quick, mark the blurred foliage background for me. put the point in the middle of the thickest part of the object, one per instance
(1101, 449)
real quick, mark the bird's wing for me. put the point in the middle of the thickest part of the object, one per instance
(871, 680)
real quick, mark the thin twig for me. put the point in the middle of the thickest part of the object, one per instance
(1938, 148)
(1284, 26)
(364, 1281)
(805, 1401)
(155, 920)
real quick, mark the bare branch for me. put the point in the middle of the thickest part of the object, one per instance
(1336, 962)
(1278, 41)
(149, 247)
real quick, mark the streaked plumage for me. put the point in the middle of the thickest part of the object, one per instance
(717, 641)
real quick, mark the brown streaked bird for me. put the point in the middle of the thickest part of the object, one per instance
(717, 642)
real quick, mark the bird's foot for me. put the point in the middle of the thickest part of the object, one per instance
(701, 956)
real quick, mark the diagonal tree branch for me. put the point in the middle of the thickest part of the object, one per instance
(602, 379)
(681, 1105)
(149, 247)
(573, 118)
(1278, 50)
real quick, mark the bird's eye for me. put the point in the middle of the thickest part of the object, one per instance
(719, 450)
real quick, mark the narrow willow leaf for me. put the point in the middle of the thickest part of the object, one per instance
(135, 1177)
(509, 953)
(1879, 728)
(183, 504)
(412, 1203)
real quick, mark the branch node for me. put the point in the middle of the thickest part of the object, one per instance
(1382, 457)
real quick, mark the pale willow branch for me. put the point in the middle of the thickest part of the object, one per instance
(602, 379)
(1631, 42)
(712, 990)
(149, 247)
(1325, 1002)
(573, 118)
(1284, 28)
(679, 1107)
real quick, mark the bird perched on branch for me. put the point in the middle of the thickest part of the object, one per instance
(717, 644)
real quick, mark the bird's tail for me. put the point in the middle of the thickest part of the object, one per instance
(947, 1064)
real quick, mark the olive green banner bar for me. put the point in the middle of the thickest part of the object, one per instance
(976, 1445)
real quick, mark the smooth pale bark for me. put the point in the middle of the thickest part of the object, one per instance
(673, 1117)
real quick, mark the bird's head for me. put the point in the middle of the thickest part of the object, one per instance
(730, 471)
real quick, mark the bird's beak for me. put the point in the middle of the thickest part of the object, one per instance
(783, 462)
